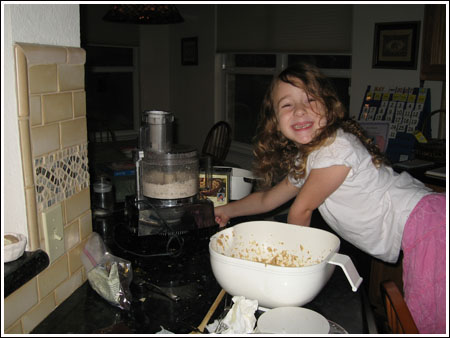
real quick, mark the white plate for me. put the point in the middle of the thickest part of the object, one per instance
(336, 328)
(292, 320)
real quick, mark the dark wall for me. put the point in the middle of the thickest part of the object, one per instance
(94, 29)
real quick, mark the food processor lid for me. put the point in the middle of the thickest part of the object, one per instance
(178, 151)
(157, 117)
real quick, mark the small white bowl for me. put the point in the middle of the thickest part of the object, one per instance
(292, 320)
(14, 250)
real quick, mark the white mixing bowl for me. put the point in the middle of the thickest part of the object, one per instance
(243, 259)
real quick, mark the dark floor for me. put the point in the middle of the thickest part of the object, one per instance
(381, 322)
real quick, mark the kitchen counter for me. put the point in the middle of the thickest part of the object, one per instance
(85, 312)
(438, 184)
(190, 277)
(23, 269)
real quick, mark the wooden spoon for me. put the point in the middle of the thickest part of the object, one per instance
(210, 312)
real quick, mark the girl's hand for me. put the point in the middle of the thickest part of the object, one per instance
(221, 217)
(256, 203)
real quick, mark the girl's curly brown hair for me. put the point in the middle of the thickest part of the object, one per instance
(276, 156)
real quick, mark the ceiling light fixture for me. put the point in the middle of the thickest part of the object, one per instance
(144, 14)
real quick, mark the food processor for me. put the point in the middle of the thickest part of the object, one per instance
(167, 204)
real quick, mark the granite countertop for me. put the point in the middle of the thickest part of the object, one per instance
(419, 173)
(85, 312)
(190, 277)
(23, 269)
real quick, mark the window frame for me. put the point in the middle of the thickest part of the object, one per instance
(134, 70)
(281, 63)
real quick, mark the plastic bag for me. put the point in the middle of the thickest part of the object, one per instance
(108, 275)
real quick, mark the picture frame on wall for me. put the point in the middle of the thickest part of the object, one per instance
(189, 51)
(396, 45)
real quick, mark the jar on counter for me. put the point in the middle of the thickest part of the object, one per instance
(104, 225)
(103, 197)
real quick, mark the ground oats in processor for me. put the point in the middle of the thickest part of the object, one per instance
(170, 186)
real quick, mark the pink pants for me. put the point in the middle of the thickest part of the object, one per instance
(424, 266)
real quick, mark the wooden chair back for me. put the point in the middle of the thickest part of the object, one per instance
(217, 142)
(398, 315)
(99, 131)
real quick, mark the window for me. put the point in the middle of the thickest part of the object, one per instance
(246, 78)
(112, 88)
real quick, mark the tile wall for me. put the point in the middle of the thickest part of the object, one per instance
(53, 139)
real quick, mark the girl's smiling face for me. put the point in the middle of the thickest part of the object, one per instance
(299, 116)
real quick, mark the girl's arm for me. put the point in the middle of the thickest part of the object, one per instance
(320, 184)
(257, 203)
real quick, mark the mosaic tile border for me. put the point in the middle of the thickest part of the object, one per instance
(60, 174)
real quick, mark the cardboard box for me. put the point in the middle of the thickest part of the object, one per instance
(219, 192)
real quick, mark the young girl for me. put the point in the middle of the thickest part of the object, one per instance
(307, 150)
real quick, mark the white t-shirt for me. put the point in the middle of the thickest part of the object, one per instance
(370, 208)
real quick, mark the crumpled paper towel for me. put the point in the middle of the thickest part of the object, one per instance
(239, 319)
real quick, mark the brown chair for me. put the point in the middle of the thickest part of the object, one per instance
(398, 316)
(217, 142)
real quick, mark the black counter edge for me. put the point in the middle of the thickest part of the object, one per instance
(23, 269)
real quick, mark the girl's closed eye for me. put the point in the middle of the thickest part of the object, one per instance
(286, 105)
